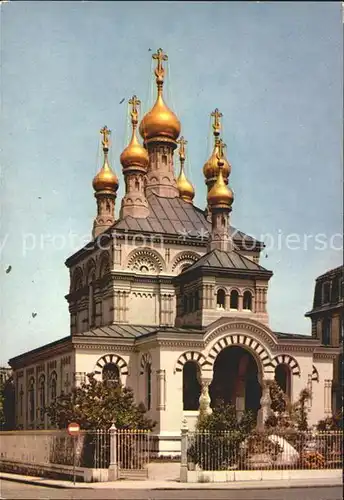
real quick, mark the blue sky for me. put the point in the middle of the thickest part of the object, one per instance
(274, 70)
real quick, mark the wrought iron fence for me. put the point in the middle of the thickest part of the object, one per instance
(131, 448)
(264, 450)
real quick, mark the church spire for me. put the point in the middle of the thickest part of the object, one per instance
(211, 169)
(105, 185)
(134, 160)
(160, 129)
(185, 188)
(220, 200)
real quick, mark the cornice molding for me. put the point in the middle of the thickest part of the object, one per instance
(104, 347)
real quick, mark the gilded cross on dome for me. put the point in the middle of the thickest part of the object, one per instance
(182, 143)
(221, 147)
(135, 102)
(160, 56)
(217, 124)
(105, 133)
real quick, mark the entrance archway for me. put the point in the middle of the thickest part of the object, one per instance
(236, 380)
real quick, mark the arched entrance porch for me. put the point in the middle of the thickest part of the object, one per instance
(236, 380)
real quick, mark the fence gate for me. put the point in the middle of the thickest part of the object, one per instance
(133, 447)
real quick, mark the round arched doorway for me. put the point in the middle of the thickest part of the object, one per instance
(236, 380)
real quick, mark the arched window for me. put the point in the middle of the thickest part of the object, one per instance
(247, 300)
(326, 331)
(234, 300)
(41, 396)
(148, 376)
(53, 386)
(111, 374)
(191, 386)
(31, 399)
(220, 299)
(282, 377)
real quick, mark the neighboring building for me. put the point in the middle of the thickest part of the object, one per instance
(327, 318)
(170, 298)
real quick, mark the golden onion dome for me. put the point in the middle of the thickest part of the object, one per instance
(106, 179)
(134, 154)
(160, 121)
(211, 168)
(220, 195)
(185, 188)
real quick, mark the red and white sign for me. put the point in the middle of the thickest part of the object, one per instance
(73, 429)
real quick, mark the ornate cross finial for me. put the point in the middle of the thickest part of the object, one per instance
(217, 124)
(221, 148)
(160, 56)
(182, 143)
(105, 133)
(135, 102)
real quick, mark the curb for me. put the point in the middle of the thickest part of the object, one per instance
(37, 482)
(266, 486)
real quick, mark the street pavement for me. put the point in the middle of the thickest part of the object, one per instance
(11, 490)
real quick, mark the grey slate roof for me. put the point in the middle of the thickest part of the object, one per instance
(175, 216)
(120, 331)
(225, 260)
(290, 336)
(132, 331)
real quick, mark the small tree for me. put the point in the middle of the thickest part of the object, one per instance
(97, 405)
(218, 436)
(7, 404)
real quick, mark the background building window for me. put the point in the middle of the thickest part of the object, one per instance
(42, 396)
(326, 331)
(234, 300)
(220, 299)
(53, 386)
(191, 386)
(185, 304)
(326, 293)
(335, 290)
(247, 301)
(31, 399)
(196, 300)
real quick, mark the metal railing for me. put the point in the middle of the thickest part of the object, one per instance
(130, 448)
(210, 451)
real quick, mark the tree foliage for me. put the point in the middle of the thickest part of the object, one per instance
(7, 404)
(97, 405)
(333, 423)
(286, 415)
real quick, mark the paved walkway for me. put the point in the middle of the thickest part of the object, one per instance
(171, 485)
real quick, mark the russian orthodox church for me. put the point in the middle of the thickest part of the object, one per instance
(169, 298)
